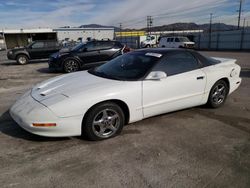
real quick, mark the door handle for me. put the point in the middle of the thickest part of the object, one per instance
(200, 77)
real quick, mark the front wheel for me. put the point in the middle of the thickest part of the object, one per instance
(104, 121)
(71, 65)
(22, 59)
(218, 94)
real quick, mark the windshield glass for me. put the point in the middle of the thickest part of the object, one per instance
(77, 47)
(130, 66)
(184, 39)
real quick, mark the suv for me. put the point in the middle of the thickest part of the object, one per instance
(35, 50)
(175, 42)
(87, 54)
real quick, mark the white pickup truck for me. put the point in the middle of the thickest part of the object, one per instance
(148, 41)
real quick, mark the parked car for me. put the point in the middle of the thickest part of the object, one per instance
(35, 50)
(129, 88)
(175, 42)
(149, 42)
(87, 54)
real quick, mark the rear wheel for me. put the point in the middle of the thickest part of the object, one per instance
(22, 59)
(71, 65)
(104, 121)
(218, 94)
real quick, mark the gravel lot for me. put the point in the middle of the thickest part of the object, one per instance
(197, 147)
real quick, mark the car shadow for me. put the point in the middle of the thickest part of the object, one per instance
(10, 62)
(9, 127)
(245, 73)
(48, 71)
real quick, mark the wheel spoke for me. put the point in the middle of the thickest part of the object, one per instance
(114, 117)
(112, 128)
(104, 114)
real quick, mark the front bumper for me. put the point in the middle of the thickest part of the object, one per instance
(27, 111)
(54, 64)
(234, 84)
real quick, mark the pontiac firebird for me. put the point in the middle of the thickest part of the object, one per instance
(97, 103)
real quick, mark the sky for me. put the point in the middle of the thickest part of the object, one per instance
(131, 13)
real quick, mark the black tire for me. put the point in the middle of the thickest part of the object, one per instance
(148, 46)
(71, 65)
(98, 126)
(218, 94)
(22, 59)
(163, 46)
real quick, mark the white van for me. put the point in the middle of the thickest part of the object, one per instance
(175, 42)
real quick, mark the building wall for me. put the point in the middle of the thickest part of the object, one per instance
(75, 34)
(226, 40)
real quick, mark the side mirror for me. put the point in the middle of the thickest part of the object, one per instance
(156, 75)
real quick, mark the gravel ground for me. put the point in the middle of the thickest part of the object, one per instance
(197, 147)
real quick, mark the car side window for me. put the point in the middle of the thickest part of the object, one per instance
(38, 45)
(104, 45)
(177, 40)
(176, 63)
(168, 40)
(90, 46)
(51, 44)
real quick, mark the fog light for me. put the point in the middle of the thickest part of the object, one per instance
(44, 124)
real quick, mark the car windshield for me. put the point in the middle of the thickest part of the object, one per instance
(184, 39)
(77, 47)
(130, 66)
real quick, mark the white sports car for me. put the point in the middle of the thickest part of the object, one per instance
(129, 88)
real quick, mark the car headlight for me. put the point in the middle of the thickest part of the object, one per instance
(10, 52)
(233, 73)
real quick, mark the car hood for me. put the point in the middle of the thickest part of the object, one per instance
(69, 85)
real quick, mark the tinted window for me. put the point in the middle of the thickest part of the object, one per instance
(90, 46)
(168, 40)
(177, 40)
(131, 66)
(118, 45)
(104, 45)
(51, 44)
(176, 63)
(38, 45)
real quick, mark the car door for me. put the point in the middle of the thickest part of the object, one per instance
(177, 42)
(183, 87)
(89, 53)
(107, 50)
(52, 47)
(37, 50)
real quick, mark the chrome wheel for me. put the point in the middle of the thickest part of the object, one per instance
(22, 59)
(106, 123)
(71, 66)
(219, 94)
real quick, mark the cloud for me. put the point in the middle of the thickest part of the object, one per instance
(131, 13)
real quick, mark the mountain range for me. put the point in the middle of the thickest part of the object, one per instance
(171, 27)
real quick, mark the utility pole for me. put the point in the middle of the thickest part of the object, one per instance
(240, 10)
(244, 23)
(121, 32)
(149, 24)
(210, 30)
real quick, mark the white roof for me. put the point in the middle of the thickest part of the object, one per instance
(38, 30)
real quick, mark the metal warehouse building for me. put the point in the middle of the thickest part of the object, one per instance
(21, 37)
(74, 34)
